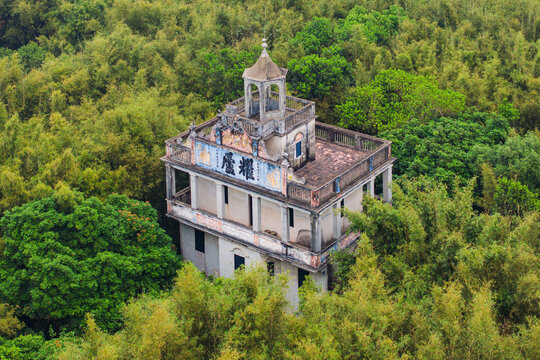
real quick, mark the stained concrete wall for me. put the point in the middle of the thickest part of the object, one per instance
(327, 225)
(206, 199)
(302, 221)
(281, 267)
(207, 262)
(238, 207)
(218, 260)
(353, 202)
(270, 216)
(227, 250)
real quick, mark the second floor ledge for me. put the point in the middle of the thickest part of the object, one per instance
(296, 253)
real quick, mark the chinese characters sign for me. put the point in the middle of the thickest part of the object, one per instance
(238, 166)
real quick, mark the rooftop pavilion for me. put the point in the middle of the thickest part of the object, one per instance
(265, 175)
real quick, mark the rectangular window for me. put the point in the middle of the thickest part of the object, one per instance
(342, 206)
(299, 148)
(199, 240)
(250, 201)
(302, 276)
(239, 261)
(291, 217)
(226, 193)
(270, 268)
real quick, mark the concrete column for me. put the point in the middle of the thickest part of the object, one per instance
(361, 199)
(256, 213)
(220, 201)
(193, 180)
(337, 223)
(284, 224)
(316, 235)
(168, 181)
(387, 184)
(371, 187)
(262, 102)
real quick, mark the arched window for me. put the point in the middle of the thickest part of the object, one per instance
(272, 98)
(298, 144)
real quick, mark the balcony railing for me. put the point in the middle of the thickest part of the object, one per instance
(378, 153)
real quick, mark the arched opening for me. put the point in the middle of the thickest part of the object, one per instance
(253, 96)
(254, 90)
(272, 98)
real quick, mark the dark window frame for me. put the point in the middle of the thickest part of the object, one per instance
(291, 217)
(298, 150)
(200, 241)
(250, 209)
(239, 261)
(270, 267)
(342, 206)
(226, 194)
(302, 276)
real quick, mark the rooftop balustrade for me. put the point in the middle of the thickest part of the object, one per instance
(377, 152)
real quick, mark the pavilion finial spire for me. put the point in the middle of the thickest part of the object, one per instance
(264, 46)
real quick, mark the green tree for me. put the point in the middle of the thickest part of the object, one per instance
(314, 77)
(442, 148)
(314, 36)
(513, 198)
(378, 27)
(393, 99)
(517, 158)
(62, 258)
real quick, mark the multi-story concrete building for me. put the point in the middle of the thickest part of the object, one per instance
(267, 182)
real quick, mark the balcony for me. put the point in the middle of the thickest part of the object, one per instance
(344, 156)
(180, 209)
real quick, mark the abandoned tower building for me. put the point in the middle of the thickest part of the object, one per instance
(266, 182)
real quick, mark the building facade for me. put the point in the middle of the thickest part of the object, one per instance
(266, 182)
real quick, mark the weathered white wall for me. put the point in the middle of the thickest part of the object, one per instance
(353, 202)
(212, 254)
(327, 225)
(227, 250)
(206, 195)
(270, 216)
(187, 243)
(207, 262)
(301, 222)
(238, 208)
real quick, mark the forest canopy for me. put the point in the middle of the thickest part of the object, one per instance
(90, 89)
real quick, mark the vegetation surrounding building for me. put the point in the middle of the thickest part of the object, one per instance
(90, 89)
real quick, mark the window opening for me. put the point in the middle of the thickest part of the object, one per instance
(270, 267)
(302, 276)
(299, 149)
(239, 261)
(291, 217)
(199, 240)
(250, 200)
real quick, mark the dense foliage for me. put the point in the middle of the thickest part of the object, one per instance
(89, 89)
(444, 148)
(432, 280)
(64, 256)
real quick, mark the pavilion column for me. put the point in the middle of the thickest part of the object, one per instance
(220, 201)
(256, 214)
(337, 223)
(193, 181)
(316, 235)
(387, 184)
(284, 224)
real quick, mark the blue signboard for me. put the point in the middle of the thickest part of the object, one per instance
(238, 166)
